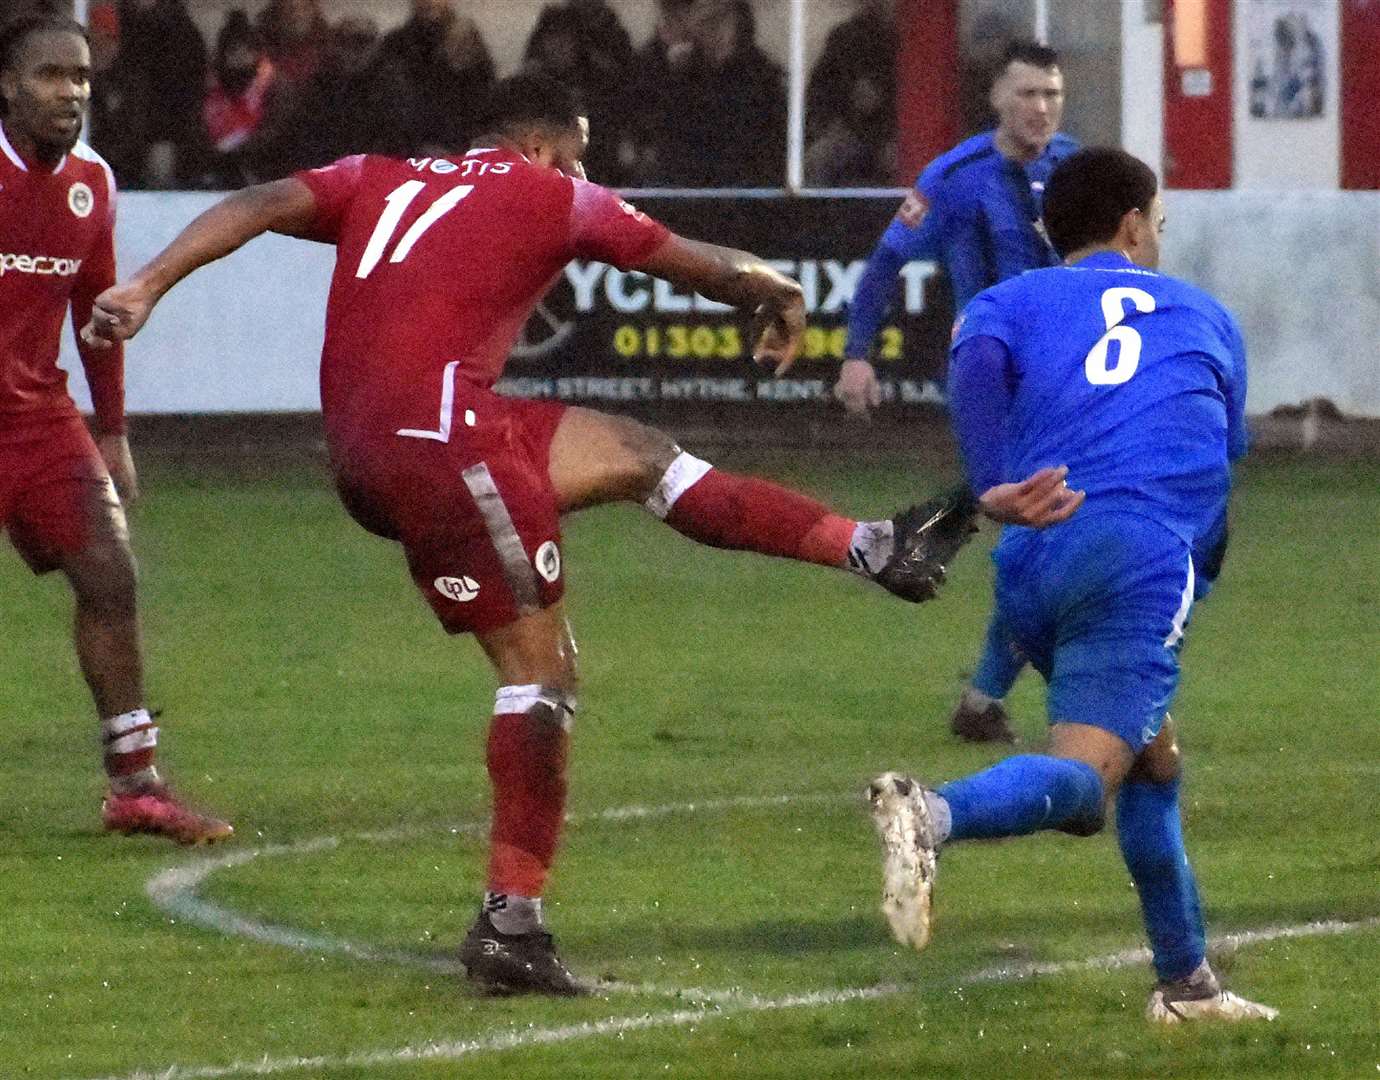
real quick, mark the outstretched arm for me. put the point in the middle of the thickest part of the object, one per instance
(286, 206)
(745, 281)
(979, 401)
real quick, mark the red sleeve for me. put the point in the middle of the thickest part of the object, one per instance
(605, 228)
(334, 186)
(105, 368)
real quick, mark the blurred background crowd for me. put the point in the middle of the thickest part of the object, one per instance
(285, 86)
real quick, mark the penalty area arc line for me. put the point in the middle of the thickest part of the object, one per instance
(496, 1042)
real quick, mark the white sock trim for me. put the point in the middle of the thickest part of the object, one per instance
(114, 726)
(682, 474)
(515, 700)
(128, 744)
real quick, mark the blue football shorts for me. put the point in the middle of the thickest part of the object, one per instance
(1099, 605)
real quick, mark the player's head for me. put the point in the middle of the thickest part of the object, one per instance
(45, 82)
(539, 116)
(1103, 197)
(1028, 97)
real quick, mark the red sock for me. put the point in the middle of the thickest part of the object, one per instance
(526, 756)
(743, 513)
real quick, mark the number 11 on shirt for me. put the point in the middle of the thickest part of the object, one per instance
(398, 200)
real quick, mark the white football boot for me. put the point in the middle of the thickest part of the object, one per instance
(1200, 996)
(911, 848)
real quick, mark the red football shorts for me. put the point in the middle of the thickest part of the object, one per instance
(475, 512)
(55, 491)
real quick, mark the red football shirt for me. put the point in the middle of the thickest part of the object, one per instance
(57, 250)
(440, 260)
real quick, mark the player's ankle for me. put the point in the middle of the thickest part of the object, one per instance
(871, 547)
(513, 914)
(145, 781)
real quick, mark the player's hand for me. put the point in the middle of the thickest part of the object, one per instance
(1042, 500)
(858, 388)
(120, 463)
(117, 314)
(776, 334)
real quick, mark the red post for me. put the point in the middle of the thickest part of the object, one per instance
(1198, 93)
(926, 83)
(1360, 81)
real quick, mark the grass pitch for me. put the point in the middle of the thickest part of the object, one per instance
(308, 694)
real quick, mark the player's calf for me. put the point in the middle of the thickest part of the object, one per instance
(905, 555)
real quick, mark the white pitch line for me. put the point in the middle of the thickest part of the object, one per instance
(175, 891)
(515, 1040)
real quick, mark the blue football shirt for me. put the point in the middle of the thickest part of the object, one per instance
(978, 213)
(1133, 379)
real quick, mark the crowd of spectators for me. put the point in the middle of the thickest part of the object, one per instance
(700, 104)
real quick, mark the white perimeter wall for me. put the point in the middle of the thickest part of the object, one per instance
(1301, 270)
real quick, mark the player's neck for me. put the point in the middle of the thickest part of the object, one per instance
(1075, 257)
(1019, 152)
(31, 152)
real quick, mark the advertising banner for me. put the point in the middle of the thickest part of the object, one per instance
(607, 336)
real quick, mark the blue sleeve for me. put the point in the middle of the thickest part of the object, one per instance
(917, 230)
(980, 393)
(1238, 436)
(914, 233)
(871, 299)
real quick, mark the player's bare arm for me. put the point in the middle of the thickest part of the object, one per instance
(285, 206)
(745, 281)
(120, 464)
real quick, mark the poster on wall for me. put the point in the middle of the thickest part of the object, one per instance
(1286, 58)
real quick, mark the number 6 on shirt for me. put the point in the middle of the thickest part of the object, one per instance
(1128, 354)
(398, 200)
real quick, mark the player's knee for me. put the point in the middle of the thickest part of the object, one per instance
(547, 709)
(1085, 795)
(649, 454)
(1087, 824)
(1160, 762)
(554, 709)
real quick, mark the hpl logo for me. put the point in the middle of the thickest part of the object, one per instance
(461, 589)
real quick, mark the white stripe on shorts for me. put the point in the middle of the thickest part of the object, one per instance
(517, 570)
(684, 473)
(1176, 633)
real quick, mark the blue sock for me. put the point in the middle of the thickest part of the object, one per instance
(999, 665)
(1152, 843)
(1022, 794)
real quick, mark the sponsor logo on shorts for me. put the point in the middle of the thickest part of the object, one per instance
(80, 199)
(549, 561)
(37, 264)
(460, 589)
